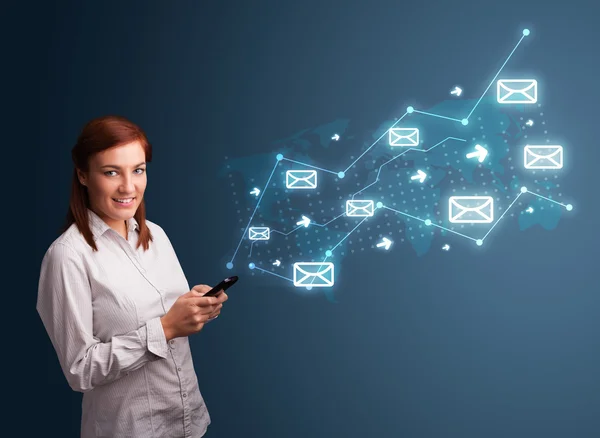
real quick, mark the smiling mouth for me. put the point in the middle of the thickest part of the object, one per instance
(123, 200)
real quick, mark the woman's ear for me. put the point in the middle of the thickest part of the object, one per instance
(82, 177)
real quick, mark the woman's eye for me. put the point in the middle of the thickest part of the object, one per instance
(108, 172)
(141, 171)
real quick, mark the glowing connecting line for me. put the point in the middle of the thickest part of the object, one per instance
(465, 121)
(399, 155)
(479, 242)
(302, 226)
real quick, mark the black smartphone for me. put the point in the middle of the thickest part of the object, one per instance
(224, 285)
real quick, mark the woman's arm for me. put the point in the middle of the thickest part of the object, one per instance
(65, 306)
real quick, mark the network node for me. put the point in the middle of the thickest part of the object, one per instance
(410, 109)
(252, 266)
(479, 242)
(379, 204)
(465, 122)
(569, 207)
(328, 253)
(526, 32)
(308, 287)
(229, 265)
(341, 175)
(427, 222)
(279, 157)
(523, 189)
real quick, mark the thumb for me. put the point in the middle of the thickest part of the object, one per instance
(200, 289)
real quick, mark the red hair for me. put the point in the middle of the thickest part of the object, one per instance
(99, 135)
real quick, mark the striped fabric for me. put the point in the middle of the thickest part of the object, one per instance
(102, 313)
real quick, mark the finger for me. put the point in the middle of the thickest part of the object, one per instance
(202, 301)
(201, 288)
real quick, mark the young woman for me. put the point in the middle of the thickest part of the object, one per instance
(115, 301)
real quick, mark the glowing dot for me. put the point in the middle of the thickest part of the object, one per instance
(252, 266)
(279, 157)
(465, 122)
(328, 253)
(569, 207)
(410, 109)
(341, 174)
(229, 265)
(523, 189)
(308, 287)
(379, 204)
(526, 32)
(479, 242)
(427, 222)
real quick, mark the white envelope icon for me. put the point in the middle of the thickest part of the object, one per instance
(404, 137)
(517, 91)
(471, 209)
(360, 208)
(259, 233)
(543, 157)
(315, 274)
(301, 179)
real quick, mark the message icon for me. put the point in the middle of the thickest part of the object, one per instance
(404, 137)
(471, 209)
(315, 274)
(360, 208)
(259, 233)
(543, 157)
(517, 91)
(301, 179)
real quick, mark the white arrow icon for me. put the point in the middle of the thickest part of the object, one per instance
(529, 210)
(529, 122)
(335, 137)
(305, 221)
(420, 176)
(446, 247)
(386, 243)
(457, 91)
(480, 153)
(255, 191)
(276, 263)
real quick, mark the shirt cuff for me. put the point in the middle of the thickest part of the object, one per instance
(156, 339)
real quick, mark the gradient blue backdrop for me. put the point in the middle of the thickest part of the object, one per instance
(490, 342)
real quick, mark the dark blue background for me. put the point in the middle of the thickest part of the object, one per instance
(491, 342)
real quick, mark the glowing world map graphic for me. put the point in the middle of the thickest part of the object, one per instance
(431, 179)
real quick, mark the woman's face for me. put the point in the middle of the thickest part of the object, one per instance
(116, 182)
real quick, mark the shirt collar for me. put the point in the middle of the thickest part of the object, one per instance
(99, 227)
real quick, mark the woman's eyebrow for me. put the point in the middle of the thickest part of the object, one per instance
(117, 167)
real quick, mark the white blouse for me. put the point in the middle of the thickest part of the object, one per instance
(102, 312)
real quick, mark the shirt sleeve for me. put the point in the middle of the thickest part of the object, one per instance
(64, 304)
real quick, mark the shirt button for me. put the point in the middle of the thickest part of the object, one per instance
(171, 341)
(184, 394)
(178, 368)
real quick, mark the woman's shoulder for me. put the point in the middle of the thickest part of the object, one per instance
(68, 243)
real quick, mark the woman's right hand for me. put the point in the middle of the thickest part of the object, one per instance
(191, 311)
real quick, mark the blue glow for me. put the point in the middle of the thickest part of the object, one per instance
(341, 175)
(465, 122)
(279, 157)
(526, 32)
(252, 266)
(479, 242)
(410, 109)
(229, 265)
